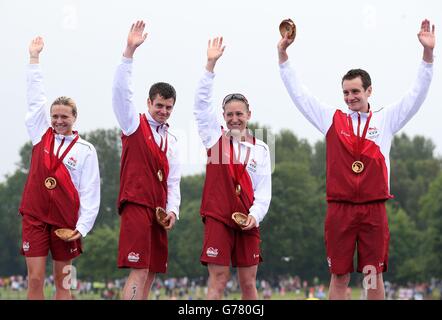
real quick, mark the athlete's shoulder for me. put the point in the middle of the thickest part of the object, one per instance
(86, 145)
(172, 135)
(261, 144)
(378, 110)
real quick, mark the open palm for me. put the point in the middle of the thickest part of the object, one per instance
(36, 46)
(215, 48)
(136, 36)
(426, 36)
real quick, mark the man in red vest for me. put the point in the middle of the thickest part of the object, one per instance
(62, 189)
(358, 140)
(149, 177)
(238, 179)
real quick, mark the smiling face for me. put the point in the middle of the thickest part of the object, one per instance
(356, 87)
(355, 96)
(62, 119)
(162, 98)
(236, 115)
(160, 108)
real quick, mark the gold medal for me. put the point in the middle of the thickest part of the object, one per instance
(238, 189)
(357, 166)
(160, 175)
(50, 183)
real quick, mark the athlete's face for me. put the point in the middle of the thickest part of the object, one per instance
(62, 119)
(355, 96)
(236, 115)
(160, 108)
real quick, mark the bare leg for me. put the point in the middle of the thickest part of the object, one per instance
(247, 282)
(218, 277)
(338, 286)
(61, 279)
(36, 277)
(378, 290)
(134, 287)
(148, 285)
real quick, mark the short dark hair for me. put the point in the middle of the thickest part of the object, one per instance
(354, 73)
(163, 89)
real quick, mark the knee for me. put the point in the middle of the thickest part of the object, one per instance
(61, 281)
(341, 280)
(248, 285)
(220, 279)
(35, 282)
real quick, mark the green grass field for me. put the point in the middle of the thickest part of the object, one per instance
(21, 295)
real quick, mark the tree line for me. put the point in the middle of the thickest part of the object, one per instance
(292, 231)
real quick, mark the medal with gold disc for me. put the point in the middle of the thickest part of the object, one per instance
(55, 161)
(50, 183)
(357, 166)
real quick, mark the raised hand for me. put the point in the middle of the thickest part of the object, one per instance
(135, 38)
(283, 44)
(215, 50)
(426, 37)
(35, 48)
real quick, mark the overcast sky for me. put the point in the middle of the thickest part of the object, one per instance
(84, 41)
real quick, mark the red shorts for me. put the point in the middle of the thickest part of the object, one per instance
(223, 245)
(349, 225)
(143, 242)
(39, 237)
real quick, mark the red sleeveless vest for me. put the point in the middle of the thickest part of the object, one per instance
(342, 183)
(141, 160)
(58, 206)
(219, 198)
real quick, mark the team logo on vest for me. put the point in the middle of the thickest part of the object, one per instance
(344, 133)
(255, 256)
(252, 165)
(133, 257)
(26, 246)
(212, 252)
(372, 133)
(72, 162)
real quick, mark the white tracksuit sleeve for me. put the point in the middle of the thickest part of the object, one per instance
(89, 192)
(122, 98)
(318, 113)
(209, 128)
(36, 119)
(402, 111)
(173, 181)
(262, 189)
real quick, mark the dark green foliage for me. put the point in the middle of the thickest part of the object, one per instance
(292, 232)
